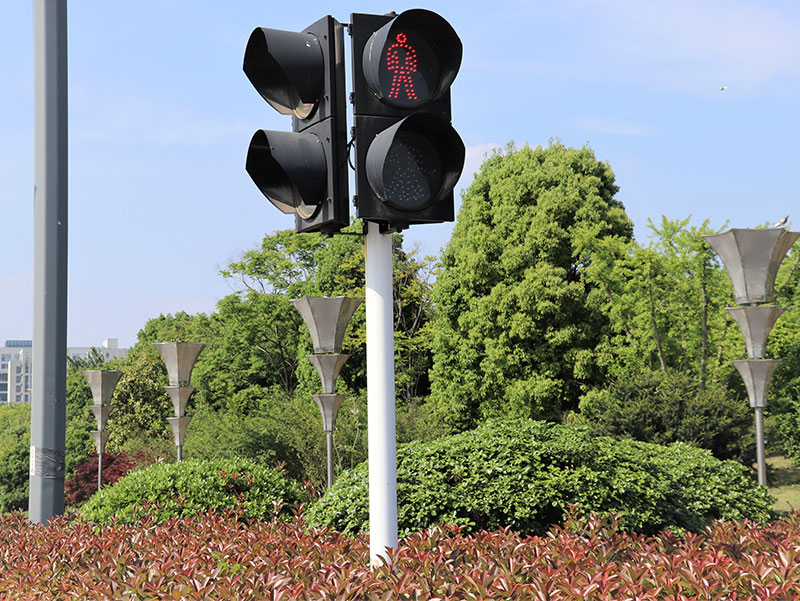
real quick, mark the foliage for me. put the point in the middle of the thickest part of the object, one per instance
(141, 405)
(228, 434)
(80, 421)
(167, 490)
(290, 265)
(653, 407)
(517, 321)
(666, 304)
(252, 342)
(215, 557)
(83, 483)
(525, 474)
(15, 425)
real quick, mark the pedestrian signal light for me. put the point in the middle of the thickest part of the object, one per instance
(408, 156)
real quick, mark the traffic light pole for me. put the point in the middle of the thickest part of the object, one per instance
(48, 380)
(380, 394)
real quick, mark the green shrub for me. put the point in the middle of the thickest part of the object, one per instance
(525, 474)
(168, 490)
(658, 408)
(15, 449)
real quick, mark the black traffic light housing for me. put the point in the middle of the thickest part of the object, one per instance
(408, 156)
(303, 172)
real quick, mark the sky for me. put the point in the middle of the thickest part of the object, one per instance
(161, 114)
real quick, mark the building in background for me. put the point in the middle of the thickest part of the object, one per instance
(16, 365)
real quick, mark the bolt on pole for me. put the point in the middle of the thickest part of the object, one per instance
(48, 386)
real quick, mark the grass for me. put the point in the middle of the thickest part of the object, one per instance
(783, 481)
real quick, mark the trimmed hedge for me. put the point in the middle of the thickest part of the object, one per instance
(168, 490)
(525, 475)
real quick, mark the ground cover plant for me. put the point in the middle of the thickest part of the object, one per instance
(524, 474)
(223, 556)
(167, 490)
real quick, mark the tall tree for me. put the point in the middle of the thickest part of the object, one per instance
(517, 321)
(666, 302)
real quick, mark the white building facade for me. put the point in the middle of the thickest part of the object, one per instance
(16, 366)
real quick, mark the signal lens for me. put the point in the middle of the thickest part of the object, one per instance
(409, 70)
(412, 171)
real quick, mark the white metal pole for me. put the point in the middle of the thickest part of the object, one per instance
(49, 377)
(380, 394)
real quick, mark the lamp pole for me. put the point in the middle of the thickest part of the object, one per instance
(381, 435)
(49, 377)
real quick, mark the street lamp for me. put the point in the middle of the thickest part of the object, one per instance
(102, 382)
(752, 258)
(179, 357)
(327, 319)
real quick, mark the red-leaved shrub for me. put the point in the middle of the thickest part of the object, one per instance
(83, 483)
(224, 557)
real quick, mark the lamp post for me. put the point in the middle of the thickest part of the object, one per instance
(752, 258)
(179, 357)
(327, 319)
(102, 382)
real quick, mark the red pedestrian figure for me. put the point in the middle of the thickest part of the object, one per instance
(402, 59)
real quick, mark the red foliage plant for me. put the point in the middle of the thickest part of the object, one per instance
(218, 556)
(83, 483)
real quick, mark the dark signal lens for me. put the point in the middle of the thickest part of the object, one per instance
(413, 171)
(409, 69)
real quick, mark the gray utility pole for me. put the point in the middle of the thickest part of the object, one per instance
(49, 378)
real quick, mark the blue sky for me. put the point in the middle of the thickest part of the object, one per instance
(160, 115)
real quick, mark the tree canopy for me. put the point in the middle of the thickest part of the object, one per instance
(517, 321)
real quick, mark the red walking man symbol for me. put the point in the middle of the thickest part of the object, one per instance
(402, 59)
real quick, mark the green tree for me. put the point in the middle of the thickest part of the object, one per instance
(517, 321)
(141, 404)
(666, 305)
(293, 265)
(15, 445)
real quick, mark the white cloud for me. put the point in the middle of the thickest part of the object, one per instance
(686, 45)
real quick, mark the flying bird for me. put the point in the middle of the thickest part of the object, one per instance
(782, 222)
(722, 88)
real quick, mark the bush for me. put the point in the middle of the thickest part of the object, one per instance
(658, 408)
(164, 491)
(220, 556)
(525, 474)
(83, 483)
(15, 451)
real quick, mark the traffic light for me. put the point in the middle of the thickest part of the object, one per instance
(302, 172)
(408, 156)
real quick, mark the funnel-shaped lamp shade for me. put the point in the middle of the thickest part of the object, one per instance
(327, 319)
(329, 407)
(752, 258)
(102, 382)
(179, 357)
(100, 438)
(328, 368)
(101, 415)
(756, 374)
(179, 425)
(180, 396)
(756, 323)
